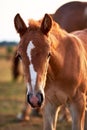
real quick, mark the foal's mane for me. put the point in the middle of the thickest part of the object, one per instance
(33, 24)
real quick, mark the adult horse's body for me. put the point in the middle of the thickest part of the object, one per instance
(72, 16)
(55, 67)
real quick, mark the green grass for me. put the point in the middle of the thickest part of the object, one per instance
(12, 96)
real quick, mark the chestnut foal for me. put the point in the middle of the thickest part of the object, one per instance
(55, 69)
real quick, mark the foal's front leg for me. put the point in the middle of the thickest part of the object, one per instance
(77, 110)
(50, 116)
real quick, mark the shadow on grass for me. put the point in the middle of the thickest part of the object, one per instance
(10, 122)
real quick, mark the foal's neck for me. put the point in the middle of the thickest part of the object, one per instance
(58, 51)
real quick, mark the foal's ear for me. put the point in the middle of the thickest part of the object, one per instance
(20, 25)
(46, 24)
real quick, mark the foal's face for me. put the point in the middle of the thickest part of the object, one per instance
(35, 56)
(34, 50)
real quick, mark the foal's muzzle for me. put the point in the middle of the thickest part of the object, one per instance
(35, 100)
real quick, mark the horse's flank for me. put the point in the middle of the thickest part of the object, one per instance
(72, 16)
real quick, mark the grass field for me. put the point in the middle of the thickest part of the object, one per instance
(12, 98)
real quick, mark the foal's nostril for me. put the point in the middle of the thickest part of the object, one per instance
(28, 97)
(40, 97)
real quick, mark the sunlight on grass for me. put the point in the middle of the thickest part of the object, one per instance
(12, 93)
(5, 70)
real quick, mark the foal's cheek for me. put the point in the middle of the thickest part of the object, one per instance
(26, 73)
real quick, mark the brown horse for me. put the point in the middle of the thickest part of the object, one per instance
(72, 16)
(55, 69)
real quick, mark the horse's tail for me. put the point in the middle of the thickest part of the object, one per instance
(15, 67)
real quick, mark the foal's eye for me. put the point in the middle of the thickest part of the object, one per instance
(19, 56)
(49, 54)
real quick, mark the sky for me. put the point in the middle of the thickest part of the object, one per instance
(28, 9)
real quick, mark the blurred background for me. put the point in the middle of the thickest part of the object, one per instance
(12, 92)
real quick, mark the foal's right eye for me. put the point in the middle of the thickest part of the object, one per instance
(19, 56)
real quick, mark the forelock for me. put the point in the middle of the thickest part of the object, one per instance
(34, 24)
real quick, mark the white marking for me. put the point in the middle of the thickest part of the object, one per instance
(33, 74)
(29, 49)
(20, 116)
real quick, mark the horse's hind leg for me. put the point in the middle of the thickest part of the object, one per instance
(77, 110)
(85, 128)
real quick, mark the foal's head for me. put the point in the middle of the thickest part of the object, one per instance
(34, 51)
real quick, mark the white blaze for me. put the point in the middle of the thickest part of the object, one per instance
(29, 49)
(33, 74)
